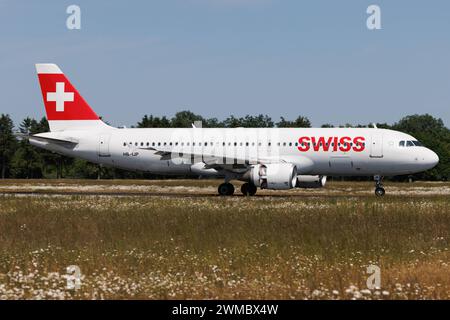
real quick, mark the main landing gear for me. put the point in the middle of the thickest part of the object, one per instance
(379, 190)
(227, 189)
(248, 189)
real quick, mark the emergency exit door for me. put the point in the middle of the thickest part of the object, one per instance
(376, 146)
(103, 148)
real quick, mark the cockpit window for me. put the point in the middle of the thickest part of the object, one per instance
(410, 143)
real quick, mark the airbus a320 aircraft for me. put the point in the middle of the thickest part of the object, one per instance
(267, 158)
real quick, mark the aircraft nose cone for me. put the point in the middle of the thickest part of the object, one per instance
(435, 158)
(432, 159)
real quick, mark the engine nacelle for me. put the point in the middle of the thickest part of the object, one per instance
(275, 176)
(312, 182)
(200, 169)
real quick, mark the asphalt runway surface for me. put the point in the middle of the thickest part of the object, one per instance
(192, 195)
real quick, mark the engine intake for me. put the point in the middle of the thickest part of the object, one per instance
(275, 176)
(312, 182)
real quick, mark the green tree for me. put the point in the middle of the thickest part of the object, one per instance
(213, 123)
(7, 143)
(27, 160)
(434, 135)
(185, 119)
(300, 122)
(233, 122)
(259, 121)
(383, 126)
(82, 169)
(153, 122)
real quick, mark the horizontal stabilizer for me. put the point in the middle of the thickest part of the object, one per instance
(67, 142)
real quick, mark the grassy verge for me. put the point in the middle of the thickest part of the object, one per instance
(212, 247)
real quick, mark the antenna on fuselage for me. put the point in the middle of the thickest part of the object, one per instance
(197, 124)
(374, 125)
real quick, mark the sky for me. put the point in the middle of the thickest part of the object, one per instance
(218, 58)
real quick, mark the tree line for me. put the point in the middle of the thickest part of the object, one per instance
(20, 160)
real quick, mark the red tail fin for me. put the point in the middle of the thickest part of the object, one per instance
(65, 107)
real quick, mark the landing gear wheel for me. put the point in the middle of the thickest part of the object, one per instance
(379, 191)
(248, 189)
(226, 189)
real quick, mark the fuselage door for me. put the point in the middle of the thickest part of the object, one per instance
(341, 164)
(376, 146)
(103, 147)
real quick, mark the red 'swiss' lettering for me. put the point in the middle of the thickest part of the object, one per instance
(345, 144)
(303, 144)
(334, 144)
(359, 144)
(321, 143)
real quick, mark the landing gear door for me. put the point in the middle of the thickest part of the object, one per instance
(103, 147)
(376, 146)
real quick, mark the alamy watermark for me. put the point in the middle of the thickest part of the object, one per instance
(73, 21)
(374, 280)
(374, 20)
(73, 277)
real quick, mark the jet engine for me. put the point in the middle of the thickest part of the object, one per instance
(312, 182)
(275, 176)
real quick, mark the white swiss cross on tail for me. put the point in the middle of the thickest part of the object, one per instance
(60, 96)
(65, 107)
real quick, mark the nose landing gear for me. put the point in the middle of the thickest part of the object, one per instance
(379, 190)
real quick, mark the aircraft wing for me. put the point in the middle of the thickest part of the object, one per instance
(212, 160)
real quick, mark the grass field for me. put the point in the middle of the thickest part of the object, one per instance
(175, 239)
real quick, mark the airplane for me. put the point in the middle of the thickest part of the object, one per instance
(265, 158)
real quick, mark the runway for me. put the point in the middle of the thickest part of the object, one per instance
(200, 195)
(208, 189)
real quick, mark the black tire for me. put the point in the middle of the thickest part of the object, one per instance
(226, 189)
(252, 189)
(230, 189)
(379, 191)
(244, 189)
(248, 189)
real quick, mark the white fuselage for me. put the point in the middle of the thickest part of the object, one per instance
(205, 151)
